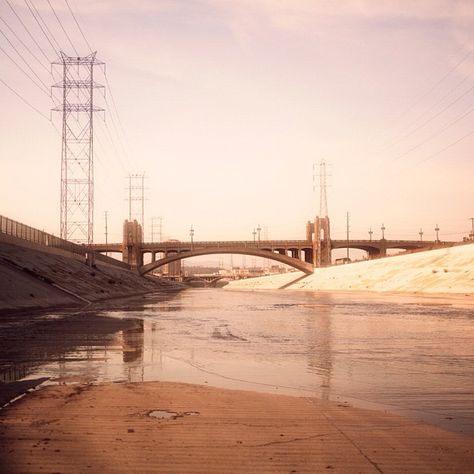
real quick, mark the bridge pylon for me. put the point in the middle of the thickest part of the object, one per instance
(319, 233)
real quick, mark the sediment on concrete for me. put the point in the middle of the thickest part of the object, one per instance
(31, 278)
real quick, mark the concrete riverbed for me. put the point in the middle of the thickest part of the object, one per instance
(394, 374)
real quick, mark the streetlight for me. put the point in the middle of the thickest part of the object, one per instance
(383, 231)
(191, 233)
(370, 234)
(437, 232)
(254, 234)
(259, 229)
(472, 232)
(421, 234)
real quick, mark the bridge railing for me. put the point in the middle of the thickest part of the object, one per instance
(30, 234)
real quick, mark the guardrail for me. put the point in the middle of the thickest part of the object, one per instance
(30, 234)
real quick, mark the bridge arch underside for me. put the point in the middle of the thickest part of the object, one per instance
(254, 252)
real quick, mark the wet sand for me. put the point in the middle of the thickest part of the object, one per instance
(107, 428)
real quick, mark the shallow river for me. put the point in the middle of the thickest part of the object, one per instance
(413, 356)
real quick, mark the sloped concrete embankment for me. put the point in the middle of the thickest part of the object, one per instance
(447, 270)
(32, 277)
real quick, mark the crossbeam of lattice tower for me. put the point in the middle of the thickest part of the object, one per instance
(77, 155)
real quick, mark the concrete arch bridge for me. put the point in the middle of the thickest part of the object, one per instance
(299, 254)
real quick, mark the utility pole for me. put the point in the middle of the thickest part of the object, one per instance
(421, 234)
(259, 229)
(370, 234)
(254, 235)
(347, 235)
(77, 155)
(106, 232)
(383, 228)
(437, 232)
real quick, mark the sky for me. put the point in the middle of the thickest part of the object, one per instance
(226, 105)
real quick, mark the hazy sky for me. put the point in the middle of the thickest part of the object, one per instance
(226, 105)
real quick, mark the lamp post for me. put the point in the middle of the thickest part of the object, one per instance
(383, 231)
(370, 234)
(254, 235)
(421, 235)
(437, 232)
(472, 224)
(259, 229)
(191, 234)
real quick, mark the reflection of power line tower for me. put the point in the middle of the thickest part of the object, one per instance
(136, 199)
(77, 158)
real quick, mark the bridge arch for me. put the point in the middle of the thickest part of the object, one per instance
(254, 252)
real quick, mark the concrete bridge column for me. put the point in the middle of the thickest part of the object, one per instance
(295, 253)
(153, 256)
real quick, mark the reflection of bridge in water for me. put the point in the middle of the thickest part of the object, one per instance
(304, 255)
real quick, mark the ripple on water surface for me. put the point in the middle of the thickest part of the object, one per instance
(411, 356)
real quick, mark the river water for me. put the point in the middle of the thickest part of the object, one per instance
(412, 356)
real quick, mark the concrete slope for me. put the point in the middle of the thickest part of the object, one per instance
(269, 282)
(448, 270)
(31, 278)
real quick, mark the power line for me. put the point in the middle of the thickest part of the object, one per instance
(435, 134)
(12, 31)
(78, 26)
(28, 31)
(56, 48)
(445, 148)
(25, 73)
(62, 27)
(24, 60)
(25, 101)
(431, 89)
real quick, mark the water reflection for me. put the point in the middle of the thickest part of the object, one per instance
(318, 349)
(413, 358)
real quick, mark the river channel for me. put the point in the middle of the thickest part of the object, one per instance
(412, 356)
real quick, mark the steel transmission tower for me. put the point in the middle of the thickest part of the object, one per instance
(77, 157)
(136, 199)
(323, 200)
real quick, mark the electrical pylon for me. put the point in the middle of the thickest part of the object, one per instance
(77, 156)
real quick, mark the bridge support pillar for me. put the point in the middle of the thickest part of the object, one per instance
(308, 255)
(132, 243)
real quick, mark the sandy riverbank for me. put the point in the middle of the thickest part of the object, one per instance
(446, 271)
(107, 428)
